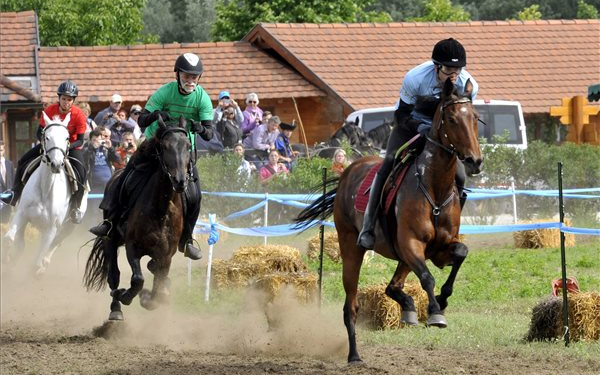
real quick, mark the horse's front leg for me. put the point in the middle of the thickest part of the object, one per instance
(459, 253)
(114, 277)
(137, 278)
(435, 314)
(14, 239)
(46, 250)
(395, 291)
(161, 286)
(352, 258)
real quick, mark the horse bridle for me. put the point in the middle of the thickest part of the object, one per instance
(451, 149)
(46, 158)
(160, 159)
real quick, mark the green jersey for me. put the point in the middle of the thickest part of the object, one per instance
(195, 106)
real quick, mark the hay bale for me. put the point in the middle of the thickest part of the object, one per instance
(379, 311)
(331, 247)
(542, 238)
(304, 284)
(251, 262)
(584, 318)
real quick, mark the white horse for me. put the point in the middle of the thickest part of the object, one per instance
(46, 196)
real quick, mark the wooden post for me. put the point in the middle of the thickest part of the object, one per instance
(302, 132)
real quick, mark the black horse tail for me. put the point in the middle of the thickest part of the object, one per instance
(321, 208)
(96, 268)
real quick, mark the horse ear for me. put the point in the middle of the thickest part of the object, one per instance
(47, 119)
(161, 122)
(356, 121)
(448, 87)
(65, 122)
(468, 88)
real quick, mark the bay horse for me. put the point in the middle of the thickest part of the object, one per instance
(423, 222)
(154, 223)
(45, 200)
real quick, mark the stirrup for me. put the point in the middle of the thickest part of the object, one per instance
(8, 197)
(191, 251)
(102, 229)
(366, 239)
(76, 216)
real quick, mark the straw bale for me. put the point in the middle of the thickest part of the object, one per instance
(584, 318)
(542, 238)
(331, 247)
(304, 285)
(379, 311)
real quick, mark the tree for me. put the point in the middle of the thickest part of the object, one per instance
(179, 21)
(85, 23)
(235, 18)
(585, 11)
(530, 13)
(443, 10)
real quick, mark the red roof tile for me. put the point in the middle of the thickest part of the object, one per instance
(137, 71)
(534, 62)
(18, 41)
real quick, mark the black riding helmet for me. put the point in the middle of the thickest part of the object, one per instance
(189, 63)
(68, 88)
(449, 52)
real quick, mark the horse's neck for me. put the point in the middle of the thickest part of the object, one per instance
(437, 169)
(162, 192)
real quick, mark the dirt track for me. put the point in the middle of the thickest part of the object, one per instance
(50, 326)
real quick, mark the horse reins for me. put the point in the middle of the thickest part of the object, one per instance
(451, 150)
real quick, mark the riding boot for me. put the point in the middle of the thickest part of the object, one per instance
(191, 202)
(75, 213)
(462, 197)
(366, 237)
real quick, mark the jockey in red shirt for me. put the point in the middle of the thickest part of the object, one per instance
(67, 92)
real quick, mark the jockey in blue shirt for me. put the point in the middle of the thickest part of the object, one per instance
(413, 116)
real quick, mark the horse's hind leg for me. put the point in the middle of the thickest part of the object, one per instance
(352, 257)
(395, 292)
(114, 277)
(459, 253)
(137, 280)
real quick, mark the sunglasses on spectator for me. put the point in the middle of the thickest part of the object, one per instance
(253, 101)
(136, 112)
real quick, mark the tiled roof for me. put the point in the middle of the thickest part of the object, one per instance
(18, 41)
(534, 62)
(137, 71)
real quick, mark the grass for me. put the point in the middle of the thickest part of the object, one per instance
(490, 309)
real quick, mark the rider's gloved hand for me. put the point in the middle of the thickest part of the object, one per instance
(423, 129)
(164, 114)
(197, 128)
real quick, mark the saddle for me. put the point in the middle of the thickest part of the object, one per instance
(403, 160)
(71, 173)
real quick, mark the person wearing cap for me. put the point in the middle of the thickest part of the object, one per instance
(67, 93)
(412, 117)
(282, 144)
(224, 102)
(108, 116)
(181, 97)
(134, 114)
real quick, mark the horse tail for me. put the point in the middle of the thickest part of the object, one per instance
(97, 266)
(322, 207)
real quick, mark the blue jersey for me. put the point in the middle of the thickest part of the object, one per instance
(422, 81)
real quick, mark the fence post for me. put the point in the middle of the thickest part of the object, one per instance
(212, 219)
(266, 216)
(563, 261)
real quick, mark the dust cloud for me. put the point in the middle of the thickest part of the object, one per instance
(57, 304)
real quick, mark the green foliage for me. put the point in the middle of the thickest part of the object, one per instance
(179, 21)
(442, 10)
(236, 18)
(530, 13)
(586, 11)
(85, 23)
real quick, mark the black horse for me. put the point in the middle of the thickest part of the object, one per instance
(379, 135)
(154, 224)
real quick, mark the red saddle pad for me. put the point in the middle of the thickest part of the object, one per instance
(389, 191)
(362, 198)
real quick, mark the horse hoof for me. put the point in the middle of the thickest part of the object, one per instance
(115, 315)
(437, 320)
(146, 300)
(355, 361)
(409, 318)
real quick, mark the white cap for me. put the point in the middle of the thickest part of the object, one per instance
(116, 98)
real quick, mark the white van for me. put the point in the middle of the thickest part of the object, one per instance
(498, 116)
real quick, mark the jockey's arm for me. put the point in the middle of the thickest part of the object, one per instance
(78, 142)
(403, 112)
(204, 128)
(147, 118)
